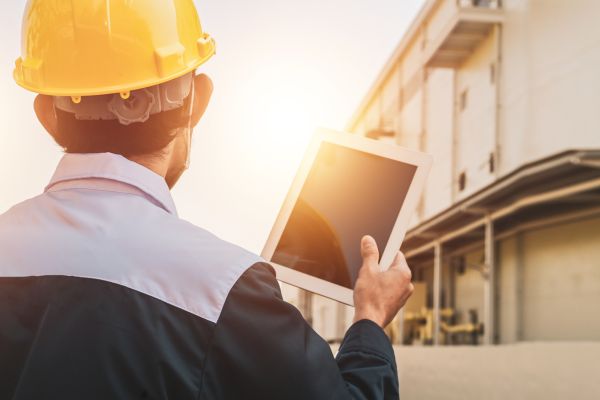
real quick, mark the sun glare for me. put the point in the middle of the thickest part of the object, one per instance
(288, 123)
(288, 111)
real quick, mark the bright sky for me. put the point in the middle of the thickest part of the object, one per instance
(282, 69)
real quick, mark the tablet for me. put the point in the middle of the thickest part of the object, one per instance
(347, 186)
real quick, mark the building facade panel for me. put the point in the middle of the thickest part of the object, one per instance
(550, 59)
(469, 288)
(412, 60)
(390, 101)
(438, 139)
(505, 120)
(515, 78)
(411, 123)
(509, 289)
(561, 282)
(476, 118)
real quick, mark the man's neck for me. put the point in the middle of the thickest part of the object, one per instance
(157, 163)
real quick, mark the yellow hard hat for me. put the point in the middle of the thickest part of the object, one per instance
(93, 47)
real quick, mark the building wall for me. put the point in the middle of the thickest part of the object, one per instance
(549, 283)
(476, 118)
(548, 287)
(469, 287)
(532, 91)
(561, 282)
(509, 288)
(438, 139)
(412, 61)
(547, 100)
(390, 101)
(330, 318)
(550, 87)
(411, 123)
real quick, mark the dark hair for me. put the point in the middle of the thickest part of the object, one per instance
(101, 136)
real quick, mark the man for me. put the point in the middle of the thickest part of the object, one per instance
(104, 292)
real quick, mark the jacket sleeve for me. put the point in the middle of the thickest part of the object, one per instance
(263, 349)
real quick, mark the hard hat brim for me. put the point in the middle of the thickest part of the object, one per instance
(112, 89)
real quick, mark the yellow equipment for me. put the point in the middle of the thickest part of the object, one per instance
(81, 48)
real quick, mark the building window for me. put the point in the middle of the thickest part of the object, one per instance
(462, 181)
(464, 98)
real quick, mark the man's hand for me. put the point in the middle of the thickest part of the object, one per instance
(378, 296)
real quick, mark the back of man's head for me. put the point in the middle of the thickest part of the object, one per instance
(143, 122)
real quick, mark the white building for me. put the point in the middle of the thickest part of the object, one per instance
(506, 244)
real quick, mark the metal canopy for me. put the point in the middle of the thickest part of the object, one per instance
(554, 189)
(548, 187)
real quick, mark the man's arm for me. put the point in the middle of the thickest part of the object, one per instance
(263, 349)
(367, 364)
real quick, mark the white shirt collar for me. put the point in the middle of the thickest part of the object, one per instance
(89, 168)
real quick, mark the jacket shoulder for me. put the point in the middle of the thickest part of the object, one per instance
(202, 268)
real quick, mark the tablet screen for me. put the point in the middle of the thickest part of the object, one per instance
(347, 194)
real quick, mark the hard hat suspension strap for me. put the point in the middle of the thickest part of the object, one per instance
(128, 108)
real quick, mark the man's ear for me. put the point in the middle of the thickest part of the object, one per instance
(44, 109)
(203, 88)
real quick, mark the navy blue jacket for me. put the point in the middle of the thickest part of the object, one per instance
(106, 294)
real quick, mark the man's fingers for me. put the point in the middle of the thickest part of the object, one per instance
(396, 262)
(369, 251)
(401, 265)
(399, 261)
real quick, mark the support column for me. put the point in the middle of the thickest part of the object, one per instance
(401, 327)
(306, 306)
(437, 292)
(489, 284)
(340, 328)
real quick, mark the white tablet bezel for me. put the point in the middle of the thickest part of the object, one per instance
(317, 285)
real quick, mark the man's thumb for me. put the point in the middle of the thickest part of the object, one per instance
(369, 251)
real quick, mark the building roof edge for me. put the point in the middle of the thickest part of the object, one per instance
(408, 37)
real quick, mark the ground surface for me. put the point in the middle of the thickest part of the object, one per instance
(522, 371)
